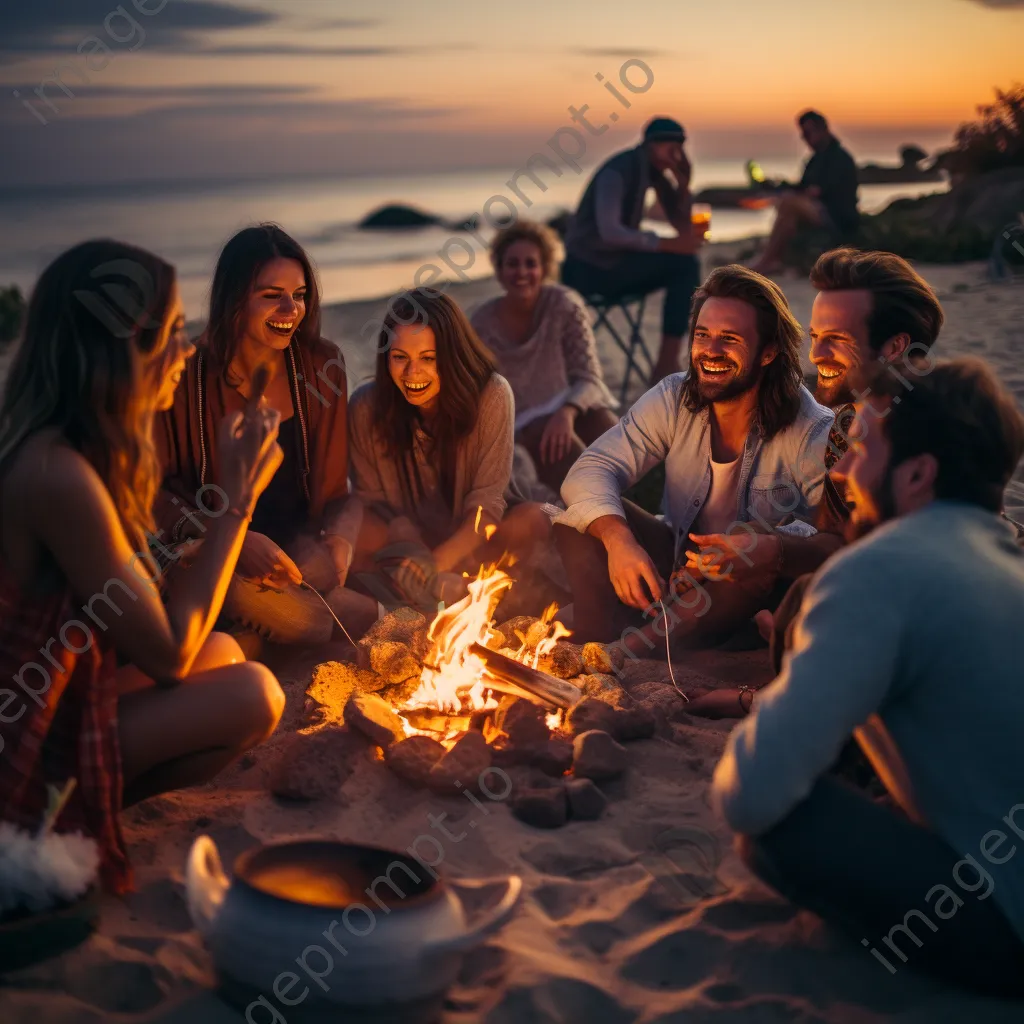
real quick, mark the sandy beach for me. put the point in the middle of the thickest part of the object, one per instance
(618, 925)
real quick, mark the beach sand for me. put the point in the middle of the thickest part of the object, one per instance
(611, 930)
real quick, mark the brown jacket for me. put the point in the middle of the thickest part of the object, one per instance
(186, 435)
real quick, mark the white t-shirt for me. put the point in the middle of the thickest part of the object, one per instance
(719, 511)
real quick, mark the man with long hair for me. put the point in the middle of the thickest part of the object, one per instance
(910, 642)
(743, 445)
(873, 313)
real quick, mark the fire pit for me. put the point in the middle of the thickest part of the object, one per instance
(448, 702)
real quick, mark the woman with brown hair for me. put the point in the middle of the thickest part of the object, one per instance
(540, 334)
(102, 351)
(265, 317)
(432, 450)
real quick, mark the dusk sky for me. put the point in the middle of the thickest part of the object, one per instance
(204, 89)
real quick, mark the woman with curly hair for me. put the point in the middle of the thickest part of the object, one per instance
(540, 335)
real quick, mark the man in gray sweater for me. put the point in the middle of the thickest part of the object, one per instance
(910, 641)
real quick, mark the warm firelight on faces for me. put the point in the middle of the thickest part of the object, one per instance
(173, 353)
(724, 350)
(840, 350)
(862, 474)
(522, 270)
(277, 304)
(412, 363)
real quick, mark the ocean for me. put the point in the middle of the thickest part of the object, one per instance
(187, 223)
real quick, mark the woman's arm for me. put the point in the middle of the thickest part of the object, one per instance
(70, 512)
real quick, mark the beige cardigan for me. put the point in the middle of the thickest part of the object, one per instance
(483, 465)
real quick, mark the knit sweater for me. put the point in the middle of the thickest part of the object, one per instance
(483, 464)
(911, 641)
(556, 365)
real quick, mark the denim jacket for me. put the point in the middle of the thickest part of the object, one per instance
(780, 479)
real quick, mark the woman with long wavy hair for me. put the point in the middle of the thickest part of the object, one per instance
(432, 446)
(265, 317)
(124, 689)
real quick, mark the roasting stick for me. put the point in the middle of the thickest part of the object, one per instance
(313, 590)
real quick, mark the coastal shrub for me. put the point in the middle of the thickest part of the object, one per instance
(12, 312)
(994, 141)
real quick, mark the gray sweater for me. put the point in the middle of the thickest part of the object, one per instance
(912, 640)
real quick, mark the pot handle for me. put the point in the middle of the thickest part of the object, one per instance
(489, 922)
(205, 884)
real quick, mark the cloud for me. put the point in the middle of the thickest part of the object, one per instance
(291, 50)
(198, 91)
(1000, 4)
(620, 53)
(49, 26)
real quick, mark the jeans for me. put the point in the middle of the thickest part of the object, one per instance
(867, 869)
(641, 273)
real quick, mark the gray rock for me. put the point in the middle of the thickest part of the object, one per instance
(597, 756)
(526, 726)
(463, 764)
(374, 718)
(589, 714)
(314, 766)
(555, 757)
(412, 759)
(541, 808)
(586, 801)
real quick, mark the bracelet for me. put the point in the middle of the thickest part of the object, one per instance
(739, 699)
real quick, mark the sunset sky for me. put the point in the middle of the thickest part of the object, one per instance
(198, 88)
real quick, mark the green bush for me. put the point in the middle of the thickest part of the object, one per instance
(994, 141)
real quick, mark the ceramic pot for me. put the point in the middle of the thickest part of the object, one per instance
(315, 927)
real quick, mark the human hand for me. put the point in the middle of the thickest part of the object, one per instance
(717, 558)
(556, 441)
(247, 450)
(630, 568)
(261, 559)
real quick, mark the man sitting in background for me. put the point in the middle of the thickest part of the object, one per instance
(743, 442)
(826, 197)
(909, 641)
(606, 252)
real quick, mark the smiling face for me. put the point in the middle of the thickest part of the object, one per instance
(412, 363)
(726, 354)
(840, 346)
(169, 359)
(522, 270)
(277, 304)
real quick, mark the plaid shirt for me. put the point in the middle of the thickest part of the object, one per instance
(68, 730)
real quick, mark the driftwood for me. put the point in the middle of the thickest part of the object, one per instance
(528, 682)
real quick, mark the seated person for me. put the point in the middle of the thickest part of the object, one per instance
(872, 310)
(826, 197)
(540, 335)
(608, 254)
(152, 700)
(742, 441)
(432, 457)
(265, 314)
(910, 642)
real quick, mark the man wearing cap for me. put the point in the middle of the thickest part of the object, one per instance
(608, 254)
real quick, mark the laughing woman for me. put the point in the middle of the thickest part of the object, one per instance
(432, 448)
(265, 314)
(78, 474)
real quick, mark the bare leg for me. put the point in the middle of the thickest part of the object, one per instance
(794, 209)
(174, 737)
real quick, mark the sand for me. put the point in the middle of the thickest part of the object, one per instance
(611, 930)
